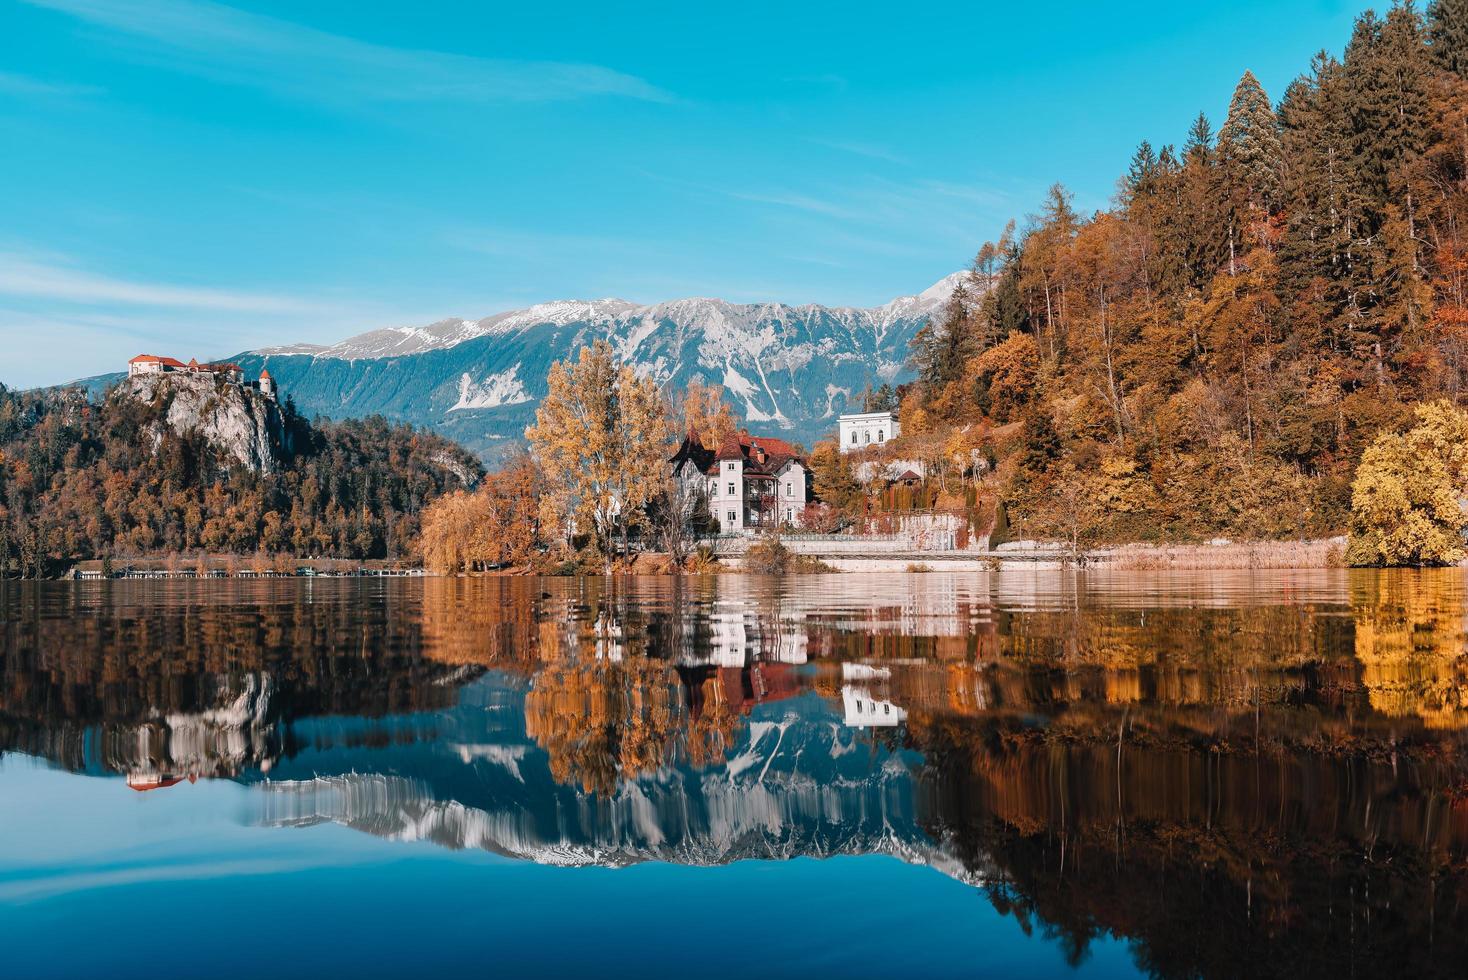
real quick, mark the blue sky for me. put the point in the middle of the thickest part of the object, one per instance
(197, 179)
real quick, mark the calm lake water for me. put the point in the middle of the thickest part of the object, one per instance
(1027, 774)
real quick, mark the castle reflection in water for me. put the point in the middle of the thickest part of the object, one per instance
(1237, 772)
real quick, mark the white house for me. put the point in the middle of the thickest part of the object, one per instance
(867, 429)
(750, 482)
(862, 710)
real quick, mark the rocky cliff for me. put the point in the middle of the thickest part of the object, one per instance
(243, 426)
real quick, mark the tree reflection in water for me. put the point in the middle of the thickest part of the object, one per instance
(1243, 774)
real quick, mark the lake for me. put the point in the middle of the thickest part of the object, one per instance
(1218, 774)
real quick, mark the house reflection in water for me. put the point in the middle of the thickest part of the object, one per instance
(1239, 774)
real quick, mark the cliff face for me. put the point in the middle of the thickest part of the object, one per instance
(243, 425)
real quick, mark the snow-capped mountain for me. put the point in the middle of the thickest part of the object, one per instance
(789, 368)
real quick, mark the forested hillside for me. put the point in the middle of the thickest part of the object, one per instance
(113, 478)
(1213, 352)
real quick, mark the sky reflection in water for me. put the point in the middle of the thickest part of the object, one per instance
(1217, 774)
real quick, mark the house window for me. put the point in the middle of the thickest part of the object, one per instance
(729, 467)
(790, 514)
(732, 491)
(881, 437)
(866, 436)
(733, 517)
(789, 489)
(853, 437)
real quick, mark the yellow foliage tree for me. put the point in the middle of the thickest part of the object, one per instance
(1010, 371)
(601, 436)
(497, 524)
(1404, 500)
(704, 410)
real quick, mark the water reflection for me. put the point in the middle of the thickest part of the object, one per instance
(1243, 774)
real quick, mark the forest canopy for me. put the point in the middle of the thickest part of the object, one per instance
(82, 479)
(1219, 346)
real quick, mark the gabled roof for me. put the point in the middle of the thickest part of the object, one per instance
(732, 448)
(155, 359)
(692, 448)
(760, 455)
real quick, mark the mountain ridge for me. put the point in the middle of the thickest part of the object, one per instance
(791, 368)
(451, 331)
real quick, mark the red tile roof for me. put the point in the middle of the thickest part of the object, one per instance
(761, 456)
(155, 359)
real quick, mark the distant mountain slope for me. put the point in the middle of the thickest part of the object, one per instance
(790, 368)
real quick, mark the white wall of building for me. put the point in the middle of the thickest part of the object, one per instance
(726, 499)
(868, 429)
(862, 710)
(790, 486)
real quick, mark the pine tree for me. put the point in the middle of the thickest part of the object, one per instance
(1319, 192)
(1141, 176)
(1249, 145)
(1387, 97)
(1447, 30)
(1387, 74)
(1203, 224)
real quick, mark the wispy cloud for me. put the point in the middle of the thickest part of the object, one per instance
(871, 151)
(931, 212)
(798, 202)
(229, 45)
(24, 275)
(13, 84)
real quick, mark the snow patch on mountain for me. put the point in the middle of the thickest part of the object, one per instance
(831, 392)
(786, 367)
(751, 327)
(503, 388)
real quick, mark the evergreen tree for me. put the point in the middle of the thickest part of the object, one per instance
(1387, 74)
(1447, 30)
(1141, 176)
(1203, 226)
(1199, 146)
(1319, 191)
(1387, 98)
(941, 347)
(1249, 145)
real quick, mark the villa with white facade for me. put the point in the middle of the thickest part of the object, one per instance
(867, 429)
(750, 482)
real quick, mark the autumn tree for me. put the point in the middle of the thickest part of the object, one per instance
(601, 436)
(1405, 501)
(703, 409)
(497, 524)
(1254, 309)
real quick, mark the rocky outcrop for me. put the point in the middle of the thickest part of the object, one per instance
(245, 427)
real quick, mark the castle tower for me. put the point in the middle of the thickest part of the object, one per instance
(267, 384)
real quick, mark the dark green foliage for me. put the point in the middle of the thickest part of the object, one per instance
(942, 347)
(1447, 31)
(883, 399)
(1249, 146)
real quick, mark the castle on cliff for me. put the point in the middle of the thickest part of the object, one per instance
(153, 364)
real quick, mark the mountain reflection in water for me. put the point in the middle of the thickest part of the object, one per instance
(1241, 774)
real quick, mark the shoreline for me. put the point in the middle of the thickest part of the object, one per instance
(1034, 556)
